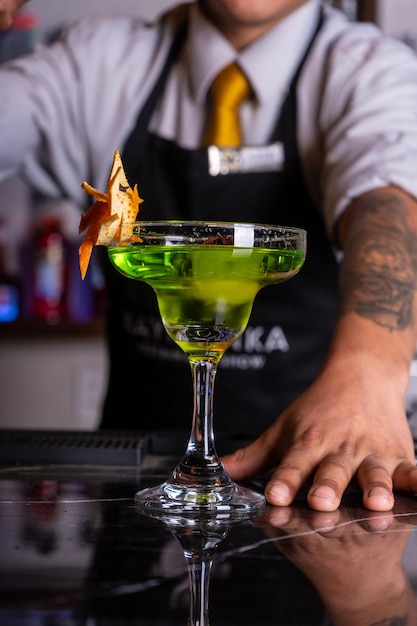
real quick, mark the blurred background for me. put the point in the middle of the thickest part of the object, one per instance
(53, 363)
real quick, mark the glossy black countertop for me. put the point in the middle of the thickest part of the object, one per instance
(74, 551)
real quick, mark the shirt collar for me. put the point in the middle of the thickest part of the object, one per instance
(269, 62)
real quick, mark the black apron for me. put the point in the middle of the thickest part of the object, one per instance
(289, 331)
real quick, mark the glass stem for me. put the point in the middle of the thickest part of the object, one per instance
(199, 577)
(202, 432)
(201, 460)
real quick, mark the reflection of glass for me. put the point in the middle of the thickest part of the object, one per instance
(206, 276)
(199, 540)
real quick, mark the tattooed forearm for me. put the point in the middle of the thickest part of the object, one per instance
(379, 273)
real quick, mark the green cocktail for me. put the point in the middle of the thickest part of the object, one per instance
(205, 292)
(206, 277)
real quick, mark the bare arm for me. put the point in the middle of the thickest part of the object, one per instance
(7, 9)
(379, 274)
(351, 423)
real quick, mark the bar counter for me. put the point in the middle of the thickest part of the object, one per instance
(75, 552)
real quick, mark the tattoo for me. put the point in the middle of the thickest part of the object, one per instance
(380, 274)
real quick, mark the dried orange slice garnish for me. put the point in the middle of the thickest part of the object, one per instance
(112, 216)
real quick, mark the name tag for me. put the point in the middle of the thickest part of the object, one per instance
(246, 159)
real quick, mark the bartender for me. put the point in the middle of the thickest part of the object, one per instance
(326, 141)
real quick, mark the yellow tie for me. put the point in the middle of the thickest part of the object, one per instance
(229, 89)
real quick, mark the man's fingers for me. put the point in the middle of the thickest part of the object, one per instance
(291, 474)
(249, 461)
(331, 478)
(376, 483)
(405, 477)
(331, 474)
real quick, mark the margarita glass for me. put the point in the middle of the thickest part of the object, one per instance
(206, 276)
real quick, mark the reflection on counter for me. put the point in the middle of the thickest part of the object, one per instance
(75, 552)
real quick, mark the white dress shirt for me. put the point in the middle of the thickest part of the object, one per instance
(269, 63)
(64, 110)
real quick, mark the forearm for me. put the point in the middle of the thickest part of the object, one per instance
(378, 313)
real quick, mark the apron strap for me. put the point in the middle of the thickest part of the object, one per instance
(151, 103)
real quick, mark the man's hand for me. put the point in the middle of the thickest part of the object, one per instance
(7, 10)
(344, 427)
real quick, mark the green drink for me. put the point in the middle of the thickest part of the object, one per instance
(205, 292)
(206, 276)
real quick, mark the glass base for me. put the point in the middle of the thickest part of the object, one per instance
(235, 502)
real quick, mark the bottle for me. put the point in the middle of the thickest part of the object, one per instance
(50, 271)
(9, 288)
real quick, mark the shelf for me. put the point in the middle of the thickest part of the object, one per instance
(37, 329)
